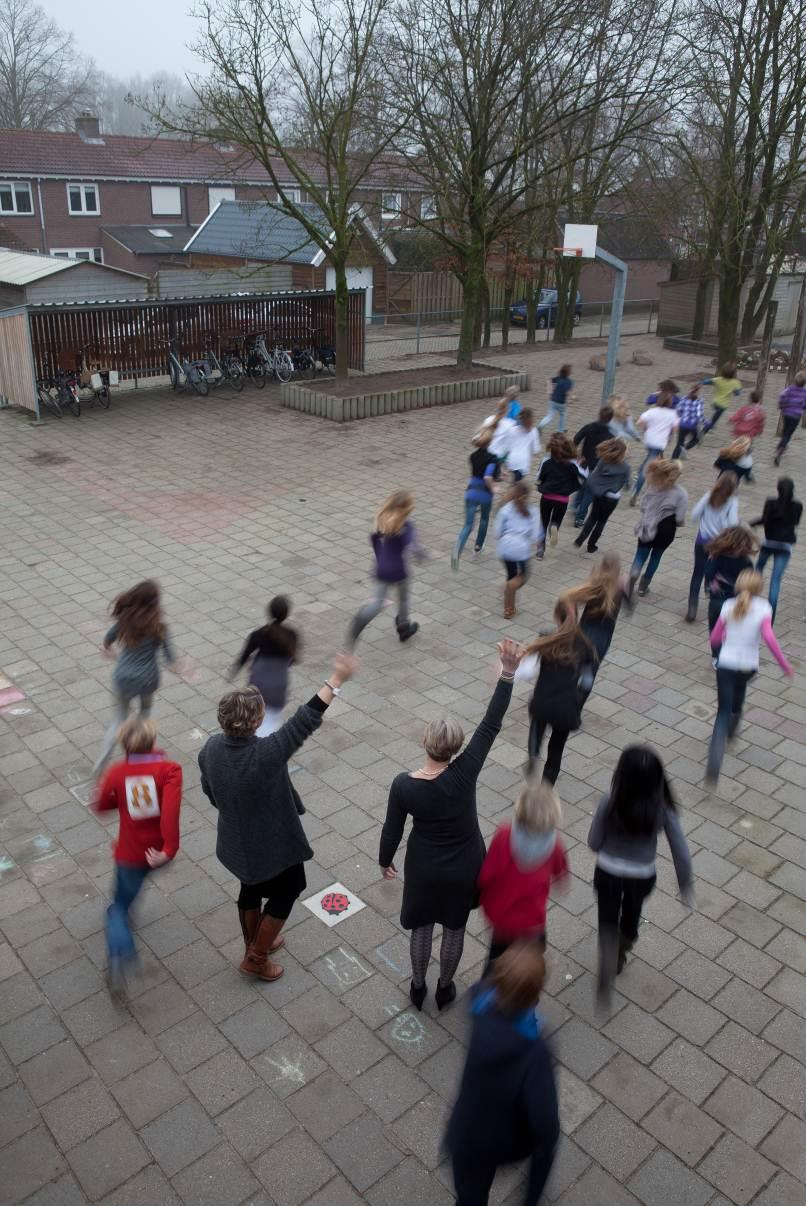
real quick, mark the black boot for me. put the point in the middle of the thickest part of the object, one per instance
(624, 948)
(444, 996)
(691, 614)
(643, 588)
(418, 995)
(407, 631)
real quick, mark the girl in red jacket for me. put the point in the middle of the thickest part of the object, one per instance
(146, 789)
(524, 858)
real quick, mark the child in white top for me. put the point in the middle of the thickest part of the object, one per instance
(743, 624)
(522, 443)
(657, 424)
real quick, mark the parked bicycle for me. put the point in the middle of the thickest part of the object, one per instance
(58, 391)
(195, 373)
(229, 366)
(93, 379)
(262, 363)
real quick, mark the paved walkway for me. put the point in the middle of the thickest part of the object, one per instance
(324, 1088)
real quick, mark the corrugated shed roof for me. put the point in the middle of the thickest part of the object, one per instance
(21, 268)
(141, 240)
(257, 232)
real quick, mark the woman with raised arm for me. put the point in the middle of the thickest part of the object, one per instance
(445, 848)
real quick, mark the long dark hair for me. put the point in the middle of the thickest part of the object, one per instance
(567, 643)
(782, 506)
(639, 792)
(277, 613)
(138, 614)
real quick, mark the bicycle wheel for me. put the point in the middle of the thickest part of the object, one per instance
(104, 397)
(257, 373)
(283, 366)
(49, 402)
(199, 382)
(69, 399)
(306, 366)
(234, 372)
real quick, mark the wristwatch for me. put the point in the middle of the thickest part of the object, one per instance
(335, 690)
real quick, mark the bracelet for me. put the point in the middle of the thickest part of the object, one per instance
(335, 690)
(507, 678)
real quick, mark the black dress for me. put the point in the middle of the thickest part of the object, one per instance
(445, 849)
(557, 698)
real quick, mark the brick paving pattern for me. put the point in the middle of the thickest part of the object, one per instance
(325, 1088)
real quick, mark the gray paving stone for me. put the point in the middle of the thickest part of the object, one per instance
(699, 975)
(256, 1122)
(745, 1111)
(688, 1070)
(94, 1018)
(151, 1091)
(288, 1066)
(784, 1081)
(736, 1169)
(293, 1169)
(691, 1017)
(362, 1152)
(413, 1037)
(18, 1113)
(389, 1088)
(181, 1136)
(664, 1179)
(31, 1034)
(71, 984)
(682, 1127)
(781, 1191)
(576, 1100)
(120, 1053)
(220, 1176)
(786, 1146)
(80, 1113)
(638, 1033)
(191, 1042)
(581, 1049)
(614, 1141)
(54, 1071)
(745, 1005)
(787, 1032)
(597, 1186)
(255, 1028)
(224, 994)
(336, 1193)
(742, 1052)
(750, 964)
(420, 1129)
(29, 1163)
(108, 1159)
(162, 1007)
(789, 988)
(630, 1086)
(64, 1191)
(375, 1001)
(20, 994)
(222, 1081)
(409, 1182)
(148, 1186)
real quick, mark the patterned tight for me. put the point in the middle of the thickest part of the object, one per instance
(450, 952)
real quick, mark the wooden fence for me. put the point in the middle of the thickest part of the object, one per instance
(17, 386)
(441, 292)
(131, 337)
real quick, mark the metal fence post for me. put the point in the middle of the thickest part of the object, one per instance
(649, 321)
(601, 320)
(419, 315)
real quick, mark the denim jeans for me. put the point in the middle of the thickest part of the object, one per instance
(731, 687)
(651, 455)
(375, 606)
(556, 409)
(583, 500)
(779, 563)
(119, 940)
(470, 515)
(646, 555)
(698, 573)
(789, 427)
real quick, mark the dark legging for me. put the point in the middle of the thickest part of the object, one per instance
(554, 753)
(602, 508)
(552, 512)
(788, 429)
(450, 952)
(279, 893)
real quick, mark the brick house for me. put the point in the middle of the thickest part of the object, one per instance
(64, 194)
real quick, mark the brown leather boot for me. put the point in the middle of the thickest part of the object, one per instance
(256, 961)
(250, 920)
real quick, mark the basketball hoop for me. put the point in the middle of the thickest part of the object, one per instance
(577, 251)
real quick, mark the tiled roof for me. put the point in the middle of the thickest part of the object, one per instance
(142, 241)
(257, 232)
(122, 157)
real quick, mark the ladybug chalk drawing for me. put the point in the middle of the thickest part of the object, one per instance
(333, 903)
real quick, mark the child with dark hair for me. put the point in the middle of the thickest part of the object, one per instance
(726, 385)
(624, 835)
(749, 421)
(792, 405)
(558, 477)
(274, 648)
(780, 517)
(506, 1110)
(691, 412)
(560, 390)
(146, 789)
(587, 441)
(715, 511)
(729, 554)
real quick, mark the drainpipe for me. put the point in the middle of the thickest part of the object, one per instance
(42, 217)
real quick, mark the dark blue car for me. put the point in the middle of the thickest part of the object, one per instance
(546, 310)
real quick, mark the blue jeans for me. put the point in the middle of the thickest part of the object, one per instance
(470, 515)
(556, 409)
(583, 500)
(651, 455)
(731, 687)
(646, 554)
(779, 563)
(119, 940)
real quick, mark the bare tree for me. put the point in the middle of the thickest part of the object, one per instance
(116, 99)
(43, 84)
(293, 85)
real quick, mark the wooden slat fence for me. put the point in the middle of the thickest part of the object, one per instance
(17, 384)
(440, 292)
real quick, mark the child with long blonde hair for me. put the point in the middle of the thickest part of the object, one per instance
(622, 425)
(393, 537)
(598, 602)
(565, 657)
(744, 622)
(736, 458)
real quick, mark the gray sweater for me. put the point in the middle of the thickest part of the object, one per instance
(246, 779)
(633, 855)
(609, 478)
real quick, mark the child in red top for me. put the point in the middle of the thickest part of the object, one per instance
(146, 789)
(524, 858)
(749, 421)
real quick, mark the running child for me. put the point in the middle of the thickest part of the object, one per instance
(500, 422)
(624, 836)
(736, 458)
(725, 386)
(141, 635)
(558, 477)
(780, 517)
(749, 421)
(274, 649)
(600, 600)
(526, 856)
(146, 789)
(691, 412)
(715, 511)
(605, 484)
(521, 444)
(517, 529)
(560, 391)
(729, 555)
(792, 405)
(743, 624)
(393, 541)
(479, 495)
(565, 658)
(657, 423)
(621, 425)
(587, 441)
(663, 511)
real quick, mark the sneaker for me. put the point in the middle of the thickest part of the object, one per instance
(776, 460)
(579, 523)
(643, 588)
(593, 548)
(554, 536)
(540, 553)
(633, 499)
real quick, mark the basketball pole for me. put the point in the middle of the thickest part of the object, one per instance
(616, 315)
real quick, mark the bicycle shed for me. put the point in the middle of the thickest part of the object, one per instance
(128, 336)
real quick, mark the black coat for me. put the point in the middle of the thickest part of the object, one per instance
(445, 848)
(557, 698)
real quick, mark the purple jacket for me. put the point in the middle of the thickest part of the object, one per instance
(793, 401)
(390, 553)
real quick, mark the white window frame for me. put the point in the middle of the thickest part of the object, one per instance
(219, 188)
(84, 254)
(293, 194)
(428, 207)
(83, 212)
(14, 185)
(160, 199)
(391, 213)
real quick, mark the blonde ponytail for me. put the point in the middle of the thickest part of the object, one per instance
(749, 586)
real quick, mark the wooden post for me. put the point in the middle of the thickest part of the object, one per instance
(799, 338)
(766, 346)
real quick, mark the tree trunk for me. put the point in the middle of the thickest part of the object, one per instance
(701, 307)
(342, 318)
(567, 278)
(730, 300)
(486, 315)
(509, 293)
(472, 285)
(532, 298)
(798, 339)
(759, 297)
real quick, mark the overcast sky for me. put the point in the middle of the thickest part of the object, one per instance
(131, 37)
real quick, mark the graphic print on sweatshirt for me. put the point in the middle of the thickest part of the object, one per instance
(142, 799)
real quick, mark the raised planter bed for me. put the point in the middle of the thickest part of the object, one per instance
(392, 393)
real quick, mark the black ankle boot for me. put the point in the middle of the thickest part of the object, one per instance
(444, 996)
(407, 631)
(418, 995)
(624, 948)
(691, 614)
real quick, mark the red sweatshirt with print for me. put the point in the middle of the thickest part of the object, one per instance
(513, 898)
(146, 789)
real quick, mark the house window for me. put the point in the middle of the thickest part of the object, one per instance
(428, 208)
(391, 205)
(166, 199)
(83, 199)
(78, 253)
(214, 195)
(15, 198)
(293, 194)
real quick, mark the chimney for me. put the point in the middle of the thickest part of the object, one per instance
(88, 129)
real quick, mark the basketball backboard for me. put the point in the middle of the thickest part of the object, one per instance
(579, 240)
